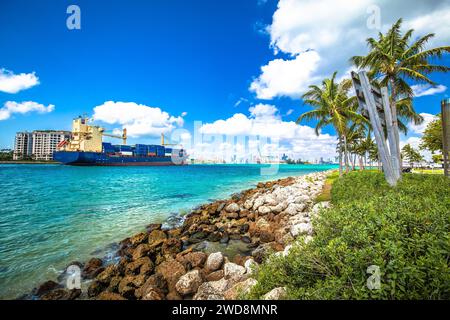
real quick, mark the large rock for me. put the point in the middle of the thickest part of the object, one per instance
(214, 276)
(248, 204)
(233, 271)
(172, 246)
(276, 294)
(212, 290)
(195, 259)
(232, 207)
(264, 210)
(156, 235)
(258, 202)
(300, 229)
(92, 268)
(46, 287)
(241, 288)
(141, 266)
(189, 283)
(214, 261)
(105, 295)
(106, 276)
(171, 270)
(155, 284)
(250, 266)
(138, 238)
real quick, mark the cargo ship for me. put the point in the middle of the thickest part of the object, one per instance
(85, 147)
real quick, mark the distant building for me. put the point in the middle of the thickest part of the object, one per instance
(23, 145)
(45, 143)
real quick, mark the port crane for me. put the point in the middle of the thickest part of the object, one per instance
(166, 144)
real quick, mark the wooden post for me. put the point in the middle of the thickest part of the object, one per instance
(396, 160)
(445, 108)
(383, 151)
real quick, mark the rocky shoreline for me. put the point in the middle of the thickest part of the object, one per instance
(194, 260)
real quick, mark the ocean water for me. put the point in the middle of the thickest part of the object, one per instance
(51, 215)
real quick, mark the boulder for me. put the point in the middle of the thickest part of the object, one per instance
(91, 270)
(153, 226)
(248, 204)
(105, 295)
(214, 261)
(240, 288)
(138, 238)
(156, 283)
(233, 271)
(257, 203)
(156, 235)
(264, 210)
(106, 276)
(250, 266)
(232, 207)
(95, 288)
(212, 290)
(46, 287)
(214, 276)
(171, 270)
(195, 259)
(141, 266)
(276, 294)
(189, 283)
(141, 251)
(300, 229)
(172, 246)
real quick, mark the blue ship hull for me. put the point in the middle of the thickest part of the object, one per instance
(104, 159)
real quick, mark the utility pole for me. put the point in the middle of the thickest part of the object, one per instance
(445, 106)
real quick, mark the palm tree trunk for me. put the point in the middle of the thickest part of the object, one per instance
(346, 154)
(340, 155)
(361, 163)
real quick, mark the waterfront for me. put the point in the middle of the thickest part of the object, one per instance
(55, 214)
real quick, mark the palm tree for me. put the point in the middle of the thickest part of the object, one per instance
(394, 60)
(332, 106)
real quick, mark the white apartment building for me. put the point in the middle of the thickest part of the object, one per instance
(45, 143)
(23, 145)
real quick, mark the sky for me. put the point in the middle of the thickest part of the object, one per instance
(217, 76)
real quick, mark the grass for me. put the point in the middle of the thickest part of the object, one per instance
(429, 171)
(403, 231)
(326, 191)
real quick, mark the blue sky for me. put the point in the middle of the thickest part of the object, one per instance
(203, 58)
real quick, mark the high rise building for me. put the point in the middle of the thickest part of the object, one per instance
(23, 145)
(45, 143)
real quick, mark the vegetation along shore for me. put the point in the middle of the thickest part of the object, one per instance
(307, 237)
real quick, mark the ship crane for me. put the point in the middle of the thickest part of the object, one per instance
(166, 144)
(123, 136)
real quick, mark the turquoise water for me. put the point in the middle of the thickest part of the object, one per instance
(51, 215)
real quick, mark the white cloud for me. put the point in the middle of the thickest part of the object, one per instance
(275, 135)
(138, 119)
(13, 83)
(336, 31)
(421, 90)
(11, 107)
(286, 77)
(420, 128)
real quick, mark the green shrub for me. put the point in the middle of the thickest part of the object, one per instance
(403, 230)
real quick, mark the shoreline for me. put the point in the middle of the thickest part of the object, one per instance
(239, 231)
